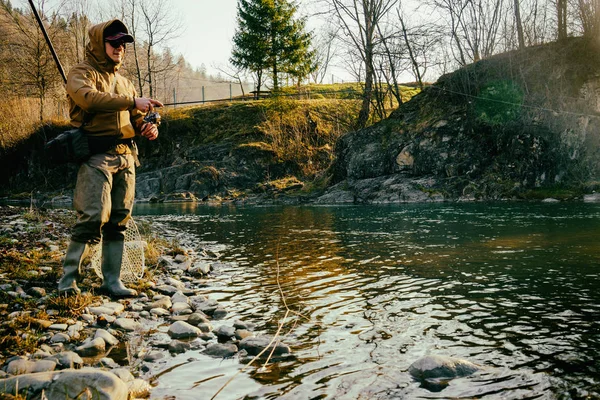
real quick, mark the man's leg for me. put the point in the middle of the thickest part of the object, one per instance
(92, 202)
(122, 197)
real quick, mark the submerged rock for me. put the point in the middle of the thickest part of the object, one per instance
(441, 367)
(221, 350)
(254, 345)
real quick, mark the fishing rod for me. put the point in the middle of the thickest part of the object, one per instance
(48, 41)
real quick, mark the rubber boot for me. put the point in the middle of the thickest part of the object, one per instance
(112, 257)
(76, 252)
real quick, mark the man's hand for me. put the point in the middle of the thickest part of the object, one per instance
(149, 131)
(145, 104)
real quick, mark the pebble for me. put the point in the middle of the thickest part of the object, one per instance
(58, 327)
(60, 338)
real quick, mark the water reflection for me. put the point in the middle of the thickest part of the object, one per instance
(513, 287)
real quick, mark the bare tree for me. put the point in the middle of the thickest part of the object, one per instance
(474, 26)
(359, 21)
(325, 52)
(34, 71)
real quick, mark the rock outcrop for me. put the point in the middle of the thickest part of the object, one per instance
(494, 129)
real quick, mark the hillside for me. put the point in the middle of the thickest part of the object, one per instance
(523, 124)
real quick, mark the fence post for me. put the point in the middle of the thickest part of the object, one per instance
(230, 93)
(202, 94)
(174, 98)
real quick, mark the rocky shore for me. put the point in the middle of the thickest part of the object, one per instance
(90, 346)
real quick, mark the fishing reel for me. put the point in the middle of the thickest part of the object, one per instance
(153, 118)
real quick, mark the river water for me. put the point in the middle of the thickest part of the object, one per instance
(513, 287)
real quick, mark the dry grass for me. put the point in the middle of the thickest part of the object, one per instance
(72, 306)
(304, 132)
(20, 117)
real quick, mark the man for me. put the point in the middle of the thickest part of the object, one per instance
(107, 106)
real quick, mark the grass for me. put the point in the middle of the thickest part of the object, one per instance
(72, 306)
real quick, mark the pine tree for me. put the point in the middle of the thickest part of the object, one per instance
(268, 38)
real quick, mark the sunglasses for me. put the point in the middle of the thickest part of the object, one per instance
(117, 43)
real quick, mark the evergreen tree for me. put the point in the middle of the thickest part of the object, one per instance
(268, 38)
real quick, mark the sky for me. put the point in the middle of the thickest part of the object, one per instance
(208, 27)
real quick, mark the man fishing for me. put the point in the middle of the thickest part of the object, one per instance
(106, 105)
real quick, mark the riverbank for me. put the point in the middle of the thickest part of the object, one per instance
(65, 346)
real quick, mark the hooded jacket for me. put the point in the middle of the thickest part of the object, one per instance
(89, 91)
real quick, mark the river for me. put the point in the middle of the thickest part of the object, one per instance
(513, 287)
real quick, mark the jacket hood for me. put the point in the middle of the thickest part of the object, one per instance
(95, 49)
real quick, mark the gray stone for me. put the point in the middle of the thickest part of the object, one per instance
(92, 348)
(179, 297)
(201, 268)
(249, 326)
(60, 337)
(201, 303)
(241, 334)
(175, 283)
(220, 350)
(107, 337)
(124, 374)
(219, 313)
(20, 366)
(181, 329)
(110, 308)
(197, 318)
(181, 309)
(163, 302)
(225, 332)
(127, 324)
(67, 384)
(178, 347)
(205, 327)
(160, 312)
(167, 289)
(58, 327)
(255, 345)
(153, 356)
(435, 367)
(67, 359)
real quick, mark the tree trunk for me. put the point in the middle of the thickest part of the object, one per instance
(561, 10)
(520, 35)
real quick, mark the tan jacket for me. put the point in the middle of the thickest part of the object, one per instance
(89, 89)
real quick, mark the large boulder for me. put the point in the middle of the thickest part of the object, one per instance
(67, 384)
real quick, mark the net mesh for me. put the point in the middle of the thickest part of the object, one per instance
(133, 263)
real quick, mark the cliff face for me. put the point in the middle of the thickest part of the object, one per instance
(494, 129)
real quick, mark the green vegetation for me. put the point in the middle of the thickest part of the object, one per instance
(270, 40)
